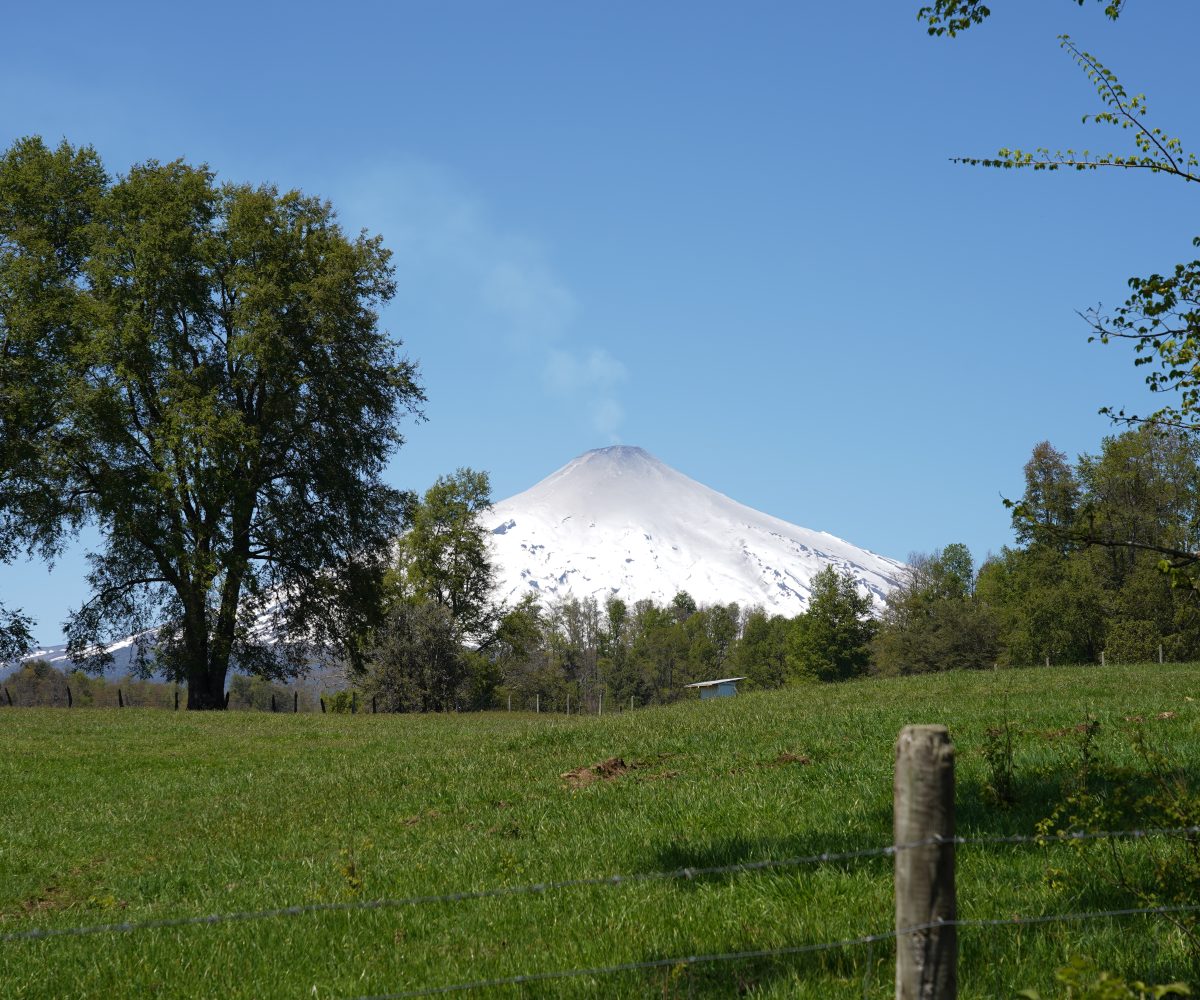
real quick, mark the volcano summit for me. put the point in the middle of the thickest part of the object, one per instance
(618, 522)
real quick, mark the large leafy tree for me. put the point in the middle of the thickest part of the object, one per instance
(197, 369)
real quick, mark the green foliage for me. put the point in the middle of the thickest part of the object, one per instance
(998, 755)
(831, 640)
(257, 694)
(1047, 605)
(15, 638)
(934, 620)
(1132, 641)
(1082, 979)
(446, 642)
(1050, 505)
(444, 555)
(1156, 151)
(344, 702)
(1106, 791)
(949, 17)
(1090, 578)
(418, 662)
(197, 369)
(38, 683)
(762, 654)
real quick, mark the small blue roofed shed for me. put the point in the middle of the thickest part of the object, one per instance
(723, 688)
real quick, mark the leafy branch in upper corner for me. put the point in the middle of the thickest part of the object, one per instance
(949, 17)
(1156, 151)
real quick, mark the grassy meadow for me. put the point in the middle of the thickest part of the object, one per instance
(109, 816)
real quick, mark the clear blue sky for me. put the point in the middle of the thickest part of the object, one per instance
(728, 233)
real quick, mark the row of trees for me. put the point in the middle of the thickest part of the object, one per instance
(1084, 577)
(1087, 574)
(446, 643)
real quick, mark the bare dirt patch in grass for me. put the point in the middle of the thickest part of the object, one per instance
(606, 770)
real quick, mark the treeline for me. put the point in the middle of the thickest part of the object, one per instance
(1084, 580)
(1087, 579)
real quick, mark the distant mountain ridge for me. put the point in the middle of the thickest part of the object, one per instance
(619, 522)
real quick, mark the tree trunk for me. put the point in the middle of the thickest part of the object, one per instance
(206, 685)
(206, 690)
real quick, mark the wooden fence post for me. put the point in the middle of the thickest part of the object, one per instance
(926, 959)
(120, 699)
(177, 699)
(295, 702)
(8, 695)
(69, 699)
(322, 699)
(272, 701)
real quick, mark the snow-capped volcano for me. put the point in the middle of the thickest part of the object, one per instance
(617, 521)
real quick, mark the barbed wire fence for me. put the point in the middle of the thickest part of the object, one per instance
(929, 853)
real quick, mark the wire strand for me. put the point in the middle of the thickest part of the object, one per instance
(733, 956)
(826, 857)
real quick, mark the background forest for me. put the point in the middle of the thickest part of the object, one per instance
(1084, 580)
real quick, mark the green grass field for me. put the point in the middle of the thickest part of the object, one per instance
(109, 816)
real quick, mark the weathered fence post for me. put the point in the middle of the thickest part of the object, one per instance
(69, 699)
(322, 700)
(1102, 657)
(295, 702)
(272, 701)
(600, 710)
(537, 704)
(1160, 654)
(120, 699)
(510, 702)
(8, 695)
(568, 703)
(353, 703)
(177, 699)
(926, 959)
(372, 704)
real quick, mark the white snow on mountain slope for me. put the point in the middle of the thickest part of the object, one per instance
(617, 521)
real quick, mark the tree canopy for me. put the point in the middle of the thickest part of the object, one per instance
(198, 369)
